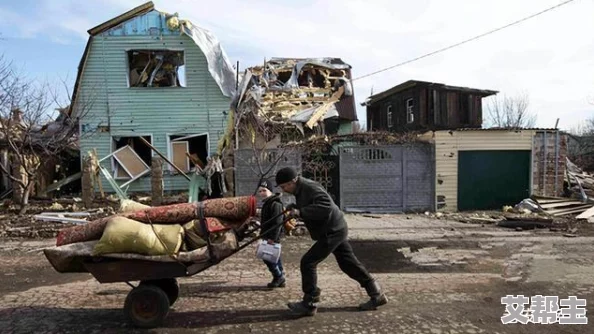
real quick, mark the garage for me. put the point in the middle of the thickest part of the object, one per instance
(489, 180)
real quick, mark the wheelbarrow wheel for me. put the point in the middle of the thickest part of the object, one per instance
(146, 306)
(169, 285)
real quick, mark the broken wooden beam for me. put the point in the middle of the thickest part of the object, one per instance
(61, 183)
(318, 114)
(559, 204)
(571, 210)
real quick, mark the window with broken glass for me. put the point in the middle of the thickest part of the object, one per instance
(389, 113)
(156, 68)
(410, 115)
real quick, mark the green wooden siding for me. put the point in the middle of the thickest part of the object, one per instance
(489, 180)
(196, 108)
(345, 128)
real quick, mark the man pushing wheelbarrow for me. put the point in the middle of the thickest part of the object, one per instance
(327, 226)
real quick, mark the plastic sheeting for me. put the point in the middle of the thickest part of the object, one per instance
(218, 63)
(304, 115)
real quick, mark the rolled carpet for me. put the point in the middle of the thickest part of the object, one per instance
(231, 209)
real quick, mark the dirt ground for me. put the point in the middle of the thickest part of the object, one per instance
(441, 277)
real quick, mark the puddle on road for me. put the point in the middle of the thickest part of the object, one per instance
(413, 256)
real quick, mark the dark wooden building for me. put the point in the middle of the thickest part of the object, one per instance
(420, 105)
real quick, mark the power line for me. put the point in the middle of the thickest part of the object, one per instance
(465, 41)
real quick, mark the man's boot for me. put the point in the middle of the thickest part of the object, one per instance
(377, 297)
(306, 307)
(277, 282)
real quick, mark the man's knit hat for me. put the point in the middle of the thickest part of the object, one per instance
(285, 175)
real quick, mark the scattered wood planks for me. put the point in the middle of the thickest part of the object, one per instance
(557, 206)
(586, 214)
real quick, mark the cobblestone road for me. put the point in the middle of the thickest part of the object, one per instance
(441, 277)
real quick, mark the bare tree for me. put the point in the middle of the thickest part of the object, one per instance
(264, 161)
(584, 129)
(27, 130)
(580, 149)
(358, 127)
(510, 112)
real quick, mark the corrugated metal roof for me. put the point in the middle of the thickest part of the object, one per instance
(411, 83)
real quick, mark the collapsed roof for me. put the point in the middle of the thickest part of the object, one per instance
(301, 92)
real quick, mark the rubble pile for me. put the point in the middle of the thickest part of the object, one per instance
(291, 98)
(581, 183)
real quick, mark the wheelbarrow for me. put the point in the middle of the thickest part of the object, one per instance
(147, 304)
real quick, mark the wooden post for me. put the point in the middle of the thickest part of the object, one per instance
(228, 175)
(87, 182)
(157, 181)
(95, 170)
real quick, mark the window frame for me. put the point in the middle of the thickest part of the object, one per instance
(114, 164)
(184, 135)
(410, 113)
(127, 57)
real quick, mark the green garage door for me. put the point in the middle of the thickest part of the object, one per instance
(491, 179)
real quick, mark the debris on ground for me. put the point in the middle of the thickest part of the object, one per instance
(581, 184)
(56, 207)
(43, 221)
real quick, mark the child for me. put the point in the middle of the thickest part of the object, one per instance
(272, 207)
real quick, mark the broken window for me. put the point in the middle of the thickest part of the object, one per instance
(410, 115)
(156, 68)
(389, 113)
(188, 150)
(132, 160)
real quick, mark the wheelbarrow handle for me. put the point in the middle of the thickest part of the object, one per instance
(270, 229)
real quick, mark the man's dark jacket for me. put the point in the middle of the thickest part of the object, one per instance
(317, 209)
(272, 207)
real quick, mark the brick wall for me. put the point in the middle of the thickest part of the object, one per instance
(548, 159)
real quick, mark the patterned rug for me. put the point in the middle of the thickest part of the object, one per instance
(229, 211)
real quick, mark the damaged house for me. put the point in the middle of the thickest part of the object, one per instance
(285, 100)
(153, 78)
(420, 105)
(52, 142)
(289, 99)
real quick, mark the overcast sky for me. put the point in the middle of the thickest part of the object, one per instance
(550, 57)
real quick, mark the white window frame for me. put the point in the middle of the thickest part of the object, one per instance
(127, 57)
(390, 116)
(185, 136)
(187, 145)
(410, 114)
(114, 150)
